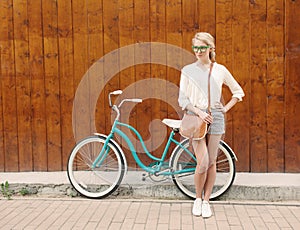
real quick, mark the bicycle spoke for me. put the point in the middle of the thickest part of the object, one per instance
(185, 175)
(90, 181)
(222, 161)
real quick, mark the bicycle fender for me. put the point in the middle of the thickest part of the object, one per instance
(116, 145)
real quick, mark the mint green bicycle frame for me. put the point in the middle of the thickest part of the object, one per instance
(102, 155)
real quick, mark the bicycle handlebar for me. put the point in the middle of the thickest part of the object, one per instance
(117, 92)
(115, 107)
(136, 100)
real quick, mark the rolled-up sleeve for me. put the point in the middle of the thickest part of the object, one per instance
(233, 85)
(183, 100)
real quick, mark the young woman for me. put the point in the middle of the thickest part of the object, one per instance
(193, 98)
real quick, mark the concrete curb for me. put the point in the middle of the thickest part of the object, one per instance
(259, 187)
(236, 192)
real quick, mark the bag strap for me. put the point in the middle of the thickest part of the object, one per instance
(208, 90)
(191, 148)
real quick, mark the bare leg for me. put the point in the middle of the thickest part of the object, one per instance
(200, 150)
(213, 145)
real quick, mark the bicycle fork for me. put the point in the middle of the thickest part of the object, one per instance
(102, 155)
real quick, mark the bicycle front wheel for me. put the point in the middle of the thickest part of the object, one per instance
(95, 181)
(181, 160)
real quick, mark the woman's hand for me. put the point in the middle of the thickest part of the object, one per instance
(224, 109)
(220, 107)
(204, 116)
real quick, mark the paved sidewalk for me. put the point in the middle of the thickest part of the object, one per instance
(37, 213)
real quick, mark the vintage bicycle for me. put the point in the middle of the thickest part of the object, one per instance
(97, 164)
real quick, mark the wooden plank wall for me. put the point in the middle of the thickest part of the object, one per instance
(47, 46)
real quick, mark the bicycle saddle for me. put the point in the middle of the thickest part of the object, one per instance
(174, 124)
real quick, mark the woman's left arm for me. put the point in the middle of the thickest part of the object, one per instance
(236, 90)
(228, 106)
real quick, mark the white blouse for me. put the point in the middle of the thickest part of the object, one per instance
(194, 85)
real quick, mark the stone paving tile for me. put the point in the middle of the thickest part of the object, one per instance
(164, 213)
(143, 214)
(127, 224)
(223, 224)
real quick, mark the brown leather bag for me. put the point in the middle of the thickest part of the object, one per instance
(192, 126)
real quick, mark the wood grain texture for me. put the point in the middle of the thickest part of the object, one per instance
(66, 76)
(52, 84)
(275, 86)
(47, 47)
(207, 16)
(158, 71)
(173, 37)
(9, 95)
(23, 83)
(110, 44)
(241, 57)
(127, 76)
(81, 62)
(258, 75)
(292, 88)
(190, 22)
(142, 72)
(2, 153)
(36, 66)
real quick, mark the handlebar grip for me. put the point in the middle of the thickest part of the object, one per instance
(117, 92)
(137, 100)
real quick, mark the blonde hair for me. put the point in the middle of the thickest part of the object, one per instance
(209, 40)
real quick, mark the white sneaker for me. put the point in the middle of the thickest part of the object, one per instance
(206, 211)
(197, 207)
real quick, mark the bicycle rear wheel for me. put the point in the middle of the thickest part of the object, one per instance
(99, 181)
(180, 159)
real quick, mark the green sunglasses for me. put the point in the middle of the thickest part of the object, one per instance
(200, 49)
